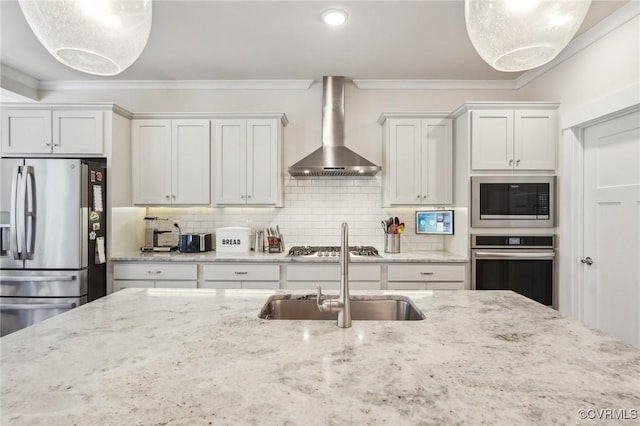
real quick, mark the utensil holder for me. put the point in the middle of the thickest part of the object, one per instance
(276, 245)
(392, 243)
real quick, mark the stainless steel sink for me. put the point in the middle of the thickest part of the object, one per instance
(374, 308)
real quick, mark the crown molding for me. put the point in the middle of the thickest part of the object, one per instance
(467, 106)
(584, 40)
(17, 85)
(175, 84)
(413, 114)
(435, 84)
(211, 115)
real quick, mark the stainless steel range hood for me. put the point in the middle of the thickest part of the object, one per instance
(333, 158)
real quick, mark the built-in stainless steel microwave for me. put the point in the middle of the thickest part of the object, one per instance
(513, 201)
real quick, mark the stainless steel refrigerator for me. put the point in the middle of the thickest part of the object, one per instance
(53, 237)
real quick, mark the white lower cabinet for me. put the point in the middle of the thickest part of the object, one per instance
(426, 276)
(154, 275)
(240, 275)
(308, 277)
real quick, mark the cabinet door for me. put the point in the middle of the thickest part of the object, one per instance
(26, 132)
(535, 140)
(437, 161)
(492, 140)
(151, 161)
(263, 166)
(120, 284)
(190, 162)
(230, 160)
(404, 162)
(78, 132)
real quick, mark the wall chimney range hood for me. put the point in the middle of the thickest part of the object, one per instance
(333, 158)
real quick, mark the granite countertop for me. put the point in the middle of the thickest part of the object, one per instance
(426, 256)
(198, 357)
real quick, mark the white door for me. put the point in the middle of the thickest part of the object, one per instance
(534, 146)
(26, 132)
(78, 132)
(492, 140)
(230, 161)
(190, 162)
(262, 162)
(611, 294)
(404, 162)
(437, 161)
(151, 161)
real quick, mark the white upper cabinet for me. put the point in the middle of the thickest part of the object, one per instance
(507, 139)
(418, 161)
(45, 131)
(248, 161)
(170, 162)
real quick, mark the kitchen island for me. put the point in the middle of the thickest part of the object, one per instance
(162, 356)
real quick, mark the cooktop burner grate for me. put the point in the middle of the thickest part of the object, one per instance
(329, 251)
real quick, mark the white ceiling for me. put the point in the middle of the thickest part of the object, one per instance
(238, 40)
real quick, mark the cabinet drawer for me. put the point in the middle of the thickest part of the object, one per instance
(453, 285)
(332, 272)
(155, 271)
(119, 285)
(241, 272)
(332, 285)
(405, 285)
(426, 272)
(221, 284)
(176, 284)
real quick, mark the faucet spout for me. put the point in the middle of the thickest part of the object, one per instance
(343, 305)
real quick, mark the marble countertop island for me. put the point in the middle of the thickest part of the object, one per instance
(200, 357)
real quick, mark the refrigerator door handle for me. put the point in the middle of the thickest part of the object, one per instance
(30, 215)
(32, 279)
(14, 237)
(35, 306)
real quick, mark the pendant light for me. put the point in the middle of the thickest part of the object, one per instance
(517, 35)
(101, 37)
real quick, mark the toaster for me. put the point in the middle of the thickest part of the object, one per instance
(195, 243)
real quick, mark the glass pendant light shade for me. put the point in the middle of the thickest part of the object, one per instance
(517, 35)
(101, 37)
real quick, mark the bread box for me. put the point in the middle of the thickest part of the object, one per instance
(233, 239)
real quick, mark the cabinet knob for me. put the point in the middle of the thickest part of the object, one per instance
(174, 197)
(510, 162)
(517, 163)
(167, 197)
(424, 196)
(242, 196)
(418, 197)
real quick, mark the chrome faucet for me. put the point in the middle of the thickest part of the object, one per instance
(343, 304)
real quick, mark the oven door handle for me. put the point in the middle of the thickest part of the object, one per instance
(533, 255)
(35, 306)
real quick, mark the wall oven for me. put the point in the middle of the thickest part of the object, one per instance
(513, 201)
(524, 264)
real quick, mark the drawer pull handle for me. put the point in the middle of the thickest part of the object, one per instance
(241, 273)
(426, 273)
(154, 272)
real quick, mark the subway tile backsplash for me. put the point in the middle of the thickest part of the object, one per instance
(313, 210)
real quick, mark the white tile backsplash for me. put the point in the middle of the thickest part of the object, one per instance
(313, 210)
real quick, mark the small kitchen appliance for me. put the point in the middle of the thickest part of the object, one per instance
(195, 243)
(151, 233)
(513, 201)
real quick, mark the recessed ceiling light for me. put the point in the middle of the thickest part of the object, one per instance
(334, 17)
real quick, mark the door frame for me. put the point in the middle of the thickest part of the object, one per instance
(570, 228)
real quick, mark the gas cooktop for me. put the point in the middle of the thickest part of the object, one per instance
(329, 251)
